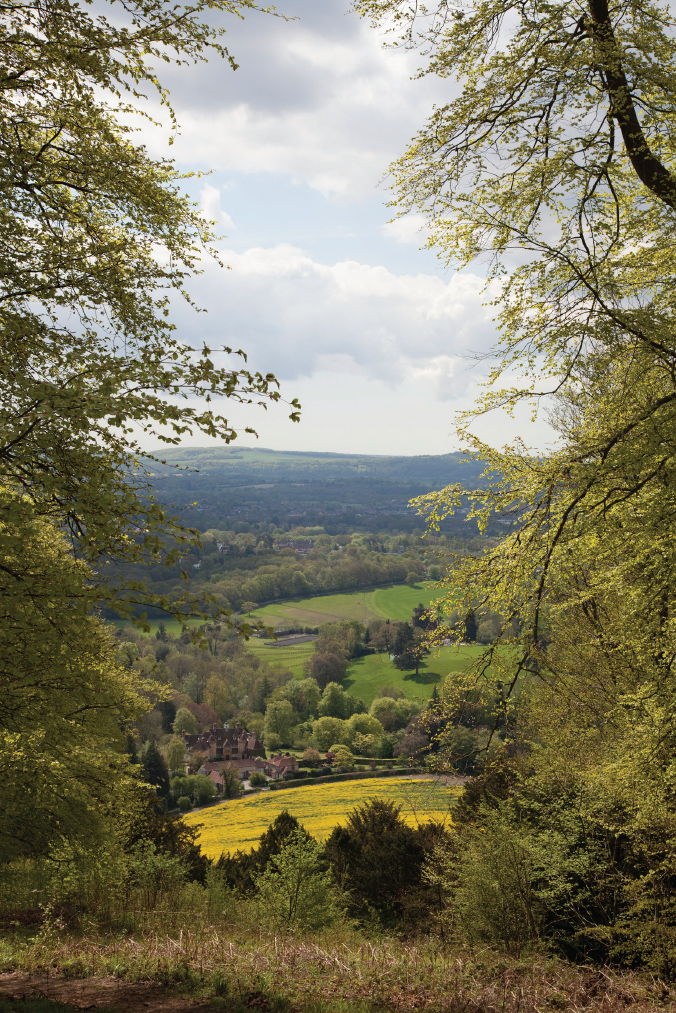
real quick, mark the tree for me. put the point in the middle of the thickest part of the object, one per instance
(376, 860)
(327, 730)
(67, 701)
(203, 789)
(363, 724)
(393, 714)
(327, 667)
(366, 744)
(232, 786)
(154, 768)
(89, 354)
(258, 779)
(409, 648)
(175, 755)
(421, 618)
(184, 722)
(384, 636)
(240, 870)
(336, 703)
(294, 890)
(341, 754)
(555, 153)
(471, 628)
(589, 313)
(280, 721)
(303, 695)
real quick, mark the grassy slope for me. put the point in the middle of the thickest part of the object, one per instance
(396, 603)
(367, 675)
(240, 823)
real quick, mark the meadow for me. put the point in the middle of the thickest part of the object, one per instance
(292, 658)
(395, 602)
(239, 823)
(367, 675)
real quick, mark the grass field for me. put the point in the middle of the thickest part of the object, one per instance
(290, 657)
(240, 823)
(396, 603)
(367, 675)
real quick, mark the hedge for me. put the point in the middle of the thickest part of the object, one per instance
(354, 776)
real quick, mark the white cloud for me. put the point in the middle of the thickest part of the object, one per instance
(211, 207)
(317, 99)
(409, 229)
(296, 317)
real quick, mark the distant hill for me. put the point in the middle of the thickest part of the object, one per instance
(238, 486)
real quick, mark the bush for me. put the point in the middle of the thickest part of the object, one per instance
(258, 779)
(184, 804)
(294, 889)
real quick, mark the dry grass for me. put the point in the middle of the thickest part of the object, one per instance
(340, 971)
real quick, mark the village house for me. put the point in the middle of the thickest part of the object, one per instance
(225, 743)
(277, 766)
(243, 768)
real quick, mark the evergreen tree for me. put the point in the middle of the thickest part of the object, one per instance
(154, 769)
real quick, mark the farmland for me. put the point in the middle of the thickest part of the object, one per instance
(239, 824)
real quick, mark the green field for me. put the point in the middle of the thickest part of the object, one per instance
(292, 658)
(396, 603)
(173, 627)
(367, 675)
(239, 823)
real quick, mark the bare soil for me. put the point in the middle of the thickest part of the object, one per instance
(100, 993)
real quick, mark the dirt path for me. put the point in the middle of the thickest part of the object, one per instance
(100, 993)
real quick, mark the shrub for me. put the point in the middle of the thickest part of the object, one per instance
(184, 803)
(294, 889)
(258, 779)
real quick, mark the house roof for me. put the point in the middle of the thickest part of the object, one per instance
(223, 738)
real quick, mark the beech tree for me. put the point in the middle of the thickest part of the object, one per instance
(96, 238)
(559, 149)
(67, 699)
(557, 163)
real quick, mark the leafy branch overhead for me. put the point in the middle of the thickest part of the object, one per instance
(96, 240)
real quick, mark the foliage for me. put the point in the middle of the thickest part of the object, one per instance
(409, 648)
(96, 238)
(294, 889)
(337, 703)
(65, 701)
(154, 769)
(175, 753)
(184, 722)
(258, 779)
(377, 862)
(279, 724)
(327, 667)
(232, 786)
(557, 156)
(241, 870)
(327, 730)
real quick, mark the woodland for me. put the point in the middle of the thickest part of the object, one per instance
(552, 885)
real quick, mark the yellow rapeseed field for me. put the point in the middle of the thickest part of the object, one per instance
(239, 823)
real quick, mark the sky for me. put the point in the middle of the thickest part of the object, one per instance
(375, 336)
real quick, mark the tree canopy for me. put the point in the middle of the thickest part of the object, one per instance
(97, 240)
(555, 159)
